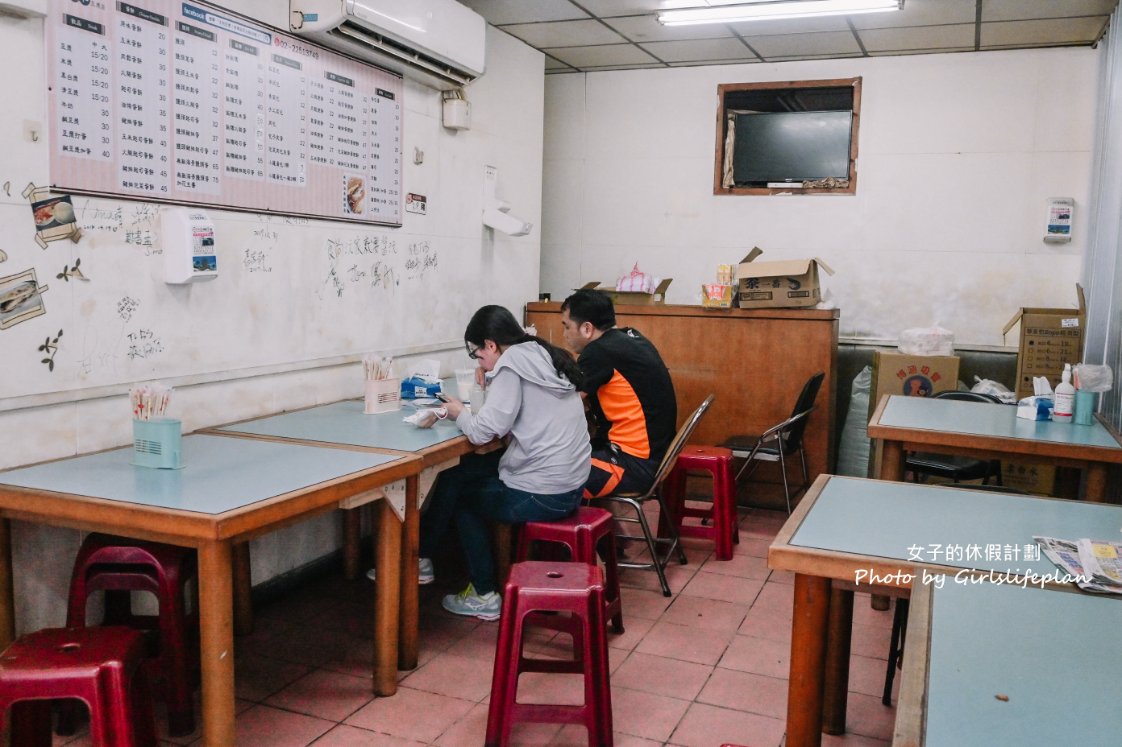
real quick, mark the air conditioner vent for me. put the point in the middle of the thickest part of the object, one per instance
(352, 33)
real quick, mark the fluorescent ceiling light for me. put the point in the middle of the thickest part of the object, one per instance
(763, 10)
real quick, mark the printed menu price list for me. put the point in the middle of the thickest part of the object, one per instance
(180, 102)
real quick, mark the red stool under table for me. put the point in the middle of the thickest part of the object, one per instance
(104, 667)
(723, 528)
(117, 566)
(537, 586)
(582, 532)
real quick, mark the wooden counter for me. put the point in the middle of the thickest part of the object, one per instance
(755, 361)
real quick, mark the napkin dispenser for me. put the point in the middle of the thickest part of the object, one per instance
(1035, 408)
(157, 443)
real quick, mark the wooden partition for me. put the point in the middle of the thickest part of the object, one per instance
(755, 361)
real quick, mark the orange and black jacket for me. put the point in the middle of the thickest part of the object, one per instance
(630, 393)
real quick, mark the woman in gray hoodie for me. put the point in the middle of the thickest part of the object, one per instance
(532, 402)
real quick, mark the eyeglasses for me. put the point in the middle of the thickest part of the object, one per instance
(473, 353)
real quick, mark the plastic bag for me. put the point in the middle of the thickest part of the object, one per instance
(853, 454)
(927, 341)
(996, 388)
(637, 281)
(1093, 378)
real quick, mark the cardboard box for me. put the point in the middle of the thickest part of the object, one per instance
(1035, 478)
(782, 284)
(1049, 339)
(716, 296)
(657, 296)
(912, 375)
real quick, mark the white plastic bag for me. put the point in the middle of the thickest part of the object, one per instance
(995, 388)
(927, 341)
(637, 281)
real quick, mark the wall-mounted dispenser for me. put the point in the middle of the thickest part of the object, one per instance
(496, 213)
(187, 235)
(1058, 228)
(455, 110)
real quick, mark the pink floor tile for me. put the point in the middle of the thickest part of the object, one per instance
(634, 628)
(257, 677)
(326, 694)
(677, 576)
(852, 740)
(765, 623)
(411, 714)
(868, 717)
(648, 605)
(778, 598)
(744, 691)
(472, 729)
(866, 675)
(745, 566)
(454, 676)
(577, 736)
(864, 613)
(705, 614)
(755, 547)
(646, 715)
(662, 676)
(272, 727)
(682, 642)
(758, 656)
(870, 641)
(726, 588)
(707, 726)
(350, 736)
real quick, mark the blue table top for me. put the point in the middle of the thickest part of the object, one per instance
(898, 520)
(345, 423)
(219, 473)
(985, 419)
(1054, 654)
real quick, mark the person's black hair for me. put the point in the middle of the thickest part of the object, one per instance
(592, 306)
(498, 324)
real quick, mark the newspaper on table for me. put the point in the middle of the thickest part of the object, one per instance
(1096, 565)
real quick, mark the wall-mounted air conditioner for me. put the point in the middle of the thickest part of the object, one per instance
(437, 42)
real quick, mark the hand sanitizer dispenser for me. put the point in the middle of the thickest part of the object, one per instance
(187, 235)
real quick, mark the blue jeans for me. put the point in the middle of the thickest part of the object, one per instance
(472, 495)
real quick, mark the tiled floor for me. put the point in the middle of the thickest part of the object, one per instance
(707, 666)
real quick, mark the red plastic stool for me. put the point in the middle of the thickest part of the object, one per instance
(582, 532)
(536, 586)
(117, 565)
(101, 666)
(718, 462)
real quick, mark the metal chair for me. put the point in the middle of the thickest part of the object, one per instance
(636, 501)
(781, 440)
(949, 466)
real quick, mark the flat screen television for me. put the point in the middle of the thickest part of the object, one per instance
(791, 146)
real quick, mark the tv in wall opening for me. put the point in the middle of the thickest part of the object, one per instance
(790, 146)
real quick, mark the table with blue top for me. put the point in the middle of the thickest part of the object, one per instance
(997, 664)
(344, 425)
(851, 533)
(228, 491)
(990, 431)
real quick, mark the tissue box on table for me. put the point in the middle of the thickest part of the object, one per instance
(1035, 408)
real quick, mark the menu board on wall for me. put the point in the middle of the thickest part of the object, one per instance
(180, 102)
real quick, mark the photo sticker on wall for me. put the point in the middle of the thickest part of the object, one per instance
(54, 216)
(354, 195)
(21, 298)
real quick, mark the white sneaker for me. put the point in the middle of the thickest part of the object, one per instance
(487, 606)
(425, 573)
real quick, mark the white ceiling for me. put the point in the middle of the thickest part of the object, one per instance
(583, 35)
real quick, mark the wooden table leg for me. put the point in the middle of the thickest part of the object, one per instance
(216, 643)
(891, 468)
(7, 588)
(352, 542)
(1094, 483)
(410, 592)
(891, 460)
(808, 659)
(243, 590)
(387, 599)
(836, 691)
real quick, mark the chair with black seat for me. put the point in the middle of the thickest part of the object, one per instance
(949, 466)
(781, 440)
(636, 502)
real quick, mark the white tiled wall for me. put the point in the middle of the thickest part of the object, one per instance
(958, 154)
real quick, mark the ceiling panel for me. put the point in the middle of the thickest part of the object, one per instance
(611, 34)
(564, 34)
(602, 55)
(930, 38)
(829, 43)
(1039, 33)
(698, 50)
